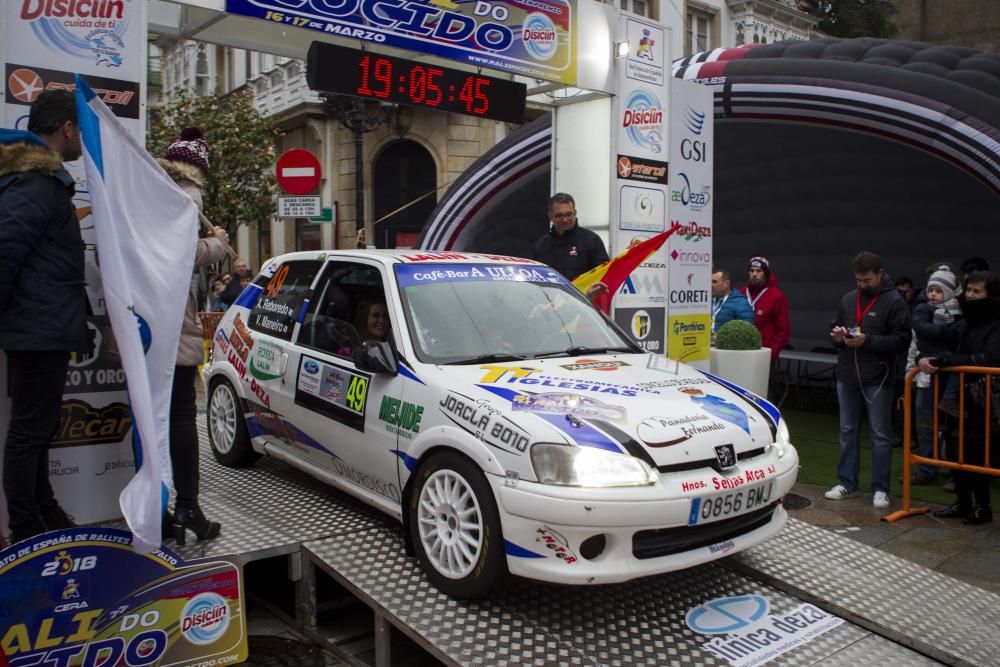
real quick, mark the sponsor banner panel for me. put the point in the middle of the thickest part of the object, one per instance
(689, 251)
(24, 83)
(744, 631)
(528, 37)
(83, 596)
(646, 325)
(44, 43)
(92, 37)
(640, 191)
(688, 337)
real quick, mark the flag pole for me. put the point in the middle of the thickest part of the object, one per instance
(209, 227)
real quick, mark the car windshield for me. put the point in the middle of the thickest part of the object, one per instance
(474, 313)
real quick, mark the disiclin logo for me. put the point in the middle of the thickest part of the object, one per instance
(643, 120)
(539, 36)
(205, 618)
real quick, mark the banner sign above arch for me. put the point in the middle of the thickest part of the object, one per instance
(533, 38)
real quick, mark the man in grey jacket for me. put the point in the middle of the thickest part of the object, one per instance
(871, 332)
(43, 301)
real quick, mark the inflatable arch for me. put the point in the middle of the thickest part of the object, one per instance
(822, 149)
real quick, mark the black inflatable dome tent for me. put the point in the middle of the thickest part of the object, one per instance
(822, 149)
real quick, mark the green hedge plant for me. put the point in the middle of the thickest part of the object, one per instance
(737, 335)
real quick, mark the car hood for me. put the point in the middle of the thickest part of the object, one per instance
(664, 412)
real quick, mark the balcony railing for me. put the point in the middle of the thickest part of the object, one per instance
(282, 88)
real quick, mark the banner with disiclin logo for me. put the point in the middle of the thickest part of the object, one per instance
(84, 597)
(43, 43)
(639, 188)
(534, 38)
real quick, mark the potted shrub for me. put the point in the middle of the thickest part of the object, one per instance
(739, 358)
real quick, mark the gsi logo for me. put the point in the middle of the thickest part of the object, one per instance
(696, 151)
(694, 120)
(725, 615)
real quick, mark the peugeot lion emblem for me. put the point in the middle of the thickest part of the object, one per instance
(726, 454)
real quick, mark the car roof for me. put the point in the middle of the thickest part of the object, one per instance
(403, 256)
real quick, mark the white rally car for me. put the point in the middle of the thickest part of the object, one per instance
(509, 425)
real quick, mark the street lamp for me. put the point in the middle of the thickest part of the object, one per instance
(354, 115)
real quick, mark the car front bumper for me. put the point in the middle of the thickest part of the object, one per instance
(645, 530)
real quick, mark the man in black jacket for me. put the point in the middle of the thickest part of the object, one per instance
(43, 302)
(871, 332)
(567, 247)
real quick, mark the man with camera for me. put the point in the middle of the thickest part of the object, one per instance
(870, 332)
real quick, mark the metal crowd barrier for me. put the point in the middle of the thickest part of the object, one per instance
(936, 459)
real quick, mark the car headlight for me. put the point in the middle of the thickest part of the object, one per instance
(782, 439)
(588, 466)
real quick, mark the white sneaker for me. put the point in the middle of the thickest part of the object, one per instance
(880, 500)
(838, 493)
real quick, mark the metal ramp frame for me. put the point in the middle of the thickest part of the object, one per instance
(895, 612)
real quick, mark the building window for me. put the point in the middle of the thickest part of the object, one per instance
(263, 242)
(698, 32)
(307, 235)
(639, 7)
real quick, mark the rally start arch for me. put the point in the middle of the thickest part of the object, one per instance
(822, 149)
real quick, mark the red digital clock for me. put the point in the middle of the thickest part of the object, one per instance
(336, 69)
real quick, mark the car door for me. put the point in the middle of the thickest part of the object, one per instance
(263, 344)
(335, 403)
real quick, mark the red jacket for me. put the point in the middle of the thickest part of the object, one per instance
(770, 313)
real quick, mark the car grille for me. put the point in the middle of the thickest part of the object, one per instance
(666, 541)
(708, 463)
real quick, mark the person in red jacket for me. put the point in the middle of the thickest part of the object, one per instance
(770, 307)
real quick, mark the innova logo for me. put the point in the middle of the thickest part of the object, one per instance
(643, 120)
(727, 615)
(539, 36)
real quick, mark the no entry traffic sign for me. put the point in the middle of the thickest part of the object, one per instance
(298, 172)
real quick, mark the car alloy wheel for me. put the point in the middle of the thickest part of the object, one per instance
(450, 524)
(227, 430)
(455, 526)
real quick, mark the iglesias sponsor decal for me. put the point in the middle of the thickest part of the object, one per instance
(743, 633)
(642, 120)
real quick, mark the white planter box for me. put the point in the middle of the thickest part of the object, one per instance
(749, 369)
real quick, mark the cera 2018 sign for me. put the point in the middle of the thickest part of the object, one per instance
(84, 597)
(528, 37)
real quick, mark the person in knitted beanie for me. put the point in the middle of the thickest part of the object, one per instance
(186, 162)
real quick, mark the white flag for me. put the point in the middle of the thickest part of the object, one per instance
(147, 229)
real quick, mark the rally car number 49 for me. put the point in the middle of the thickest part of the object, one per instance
(510, 426)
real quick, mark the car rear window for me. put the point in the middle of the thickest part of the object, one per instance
(281, 303)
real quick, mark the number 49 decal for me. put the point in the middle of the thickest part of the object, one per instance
(356, 391)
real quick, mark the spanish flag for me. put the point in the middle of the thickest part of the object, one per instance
(613, 272)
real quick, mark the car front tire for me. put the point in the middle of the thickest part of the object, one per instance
(456, 527)
(227, 428)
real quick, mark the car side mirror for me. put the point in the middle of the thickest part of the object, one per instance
(376, 356)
